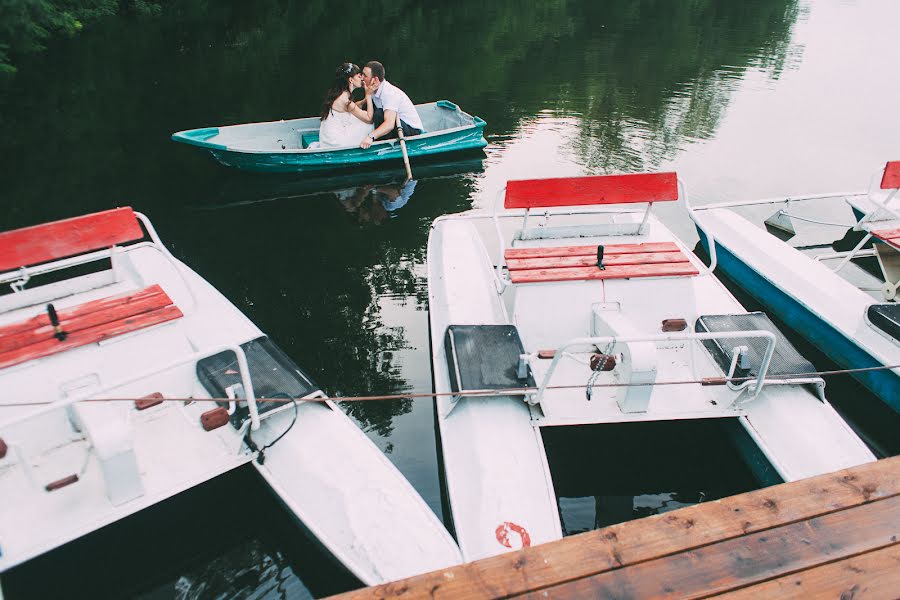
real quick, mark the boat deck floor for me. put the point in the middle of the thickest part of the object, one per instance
(834, 535)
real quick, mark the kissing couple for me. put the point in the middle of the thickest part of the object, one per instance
(346, 122)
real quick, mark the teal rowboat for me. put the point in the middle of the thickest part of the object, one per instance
(283, 146)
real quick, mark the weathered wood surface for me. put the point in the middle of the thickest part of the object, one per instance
(556, 262)
(59, 239)
(818, 531)
(612, 272)
(609, 249)
(84, 324)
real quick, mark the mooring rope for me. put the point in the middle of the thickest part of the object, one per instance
(705, 381)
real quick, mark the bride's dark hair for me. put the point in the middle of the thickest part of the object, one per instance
(340, 85)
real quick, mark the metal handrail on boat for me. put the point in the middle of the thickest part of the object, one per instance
(674, 337)
(243, 368)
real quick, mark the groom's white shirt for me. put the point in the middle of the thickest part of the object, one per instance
(390, 97)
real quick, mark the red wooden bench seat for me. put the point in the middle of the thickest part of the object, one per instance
(574, 263)
(889, 236)
(69, 237)
(596, 189)
(85, 324)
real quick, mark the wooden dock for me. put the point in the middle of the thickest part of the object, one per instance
(835, 536)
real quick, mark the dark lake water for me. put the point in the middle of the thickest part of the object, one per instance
(743, 99)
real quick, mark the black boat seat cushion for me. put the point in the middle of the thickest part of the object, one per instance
(486, 357)
(885, 317)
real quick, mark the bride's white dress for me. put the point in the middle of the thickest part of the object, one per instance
(342, 129)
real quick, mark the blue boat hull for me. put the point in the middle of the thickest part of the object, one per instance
(842, 350)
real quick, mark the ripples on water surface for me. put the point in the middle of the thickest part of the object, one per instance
(742, 99)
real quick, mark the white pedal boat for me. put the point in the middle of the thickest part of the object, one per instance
(517, 301)
(143, 325)
(839, 307)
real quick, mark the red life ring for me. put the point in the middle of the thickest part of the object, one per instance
(506, 527)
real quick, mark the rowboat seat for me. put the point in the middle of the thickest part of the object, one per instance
(619, 261)
(308, 137)
(85, 324)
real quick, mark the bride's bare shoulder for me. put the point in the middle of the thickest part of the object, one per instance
(340, 103)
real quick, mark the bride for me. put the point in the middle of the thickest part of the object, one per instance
(344, 123)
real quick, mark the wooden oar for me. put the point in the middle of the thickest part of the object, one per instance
(403, 149)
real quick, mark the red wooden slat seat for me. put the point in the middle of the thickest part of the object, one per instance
(83, 316)
(598, 189)
(609, 249)
(572, 263)
(553, 262)
(84, 324)
(612, 272)
(69, 237)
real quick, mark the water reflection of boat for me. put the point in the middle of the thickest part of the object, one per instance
(242, 190)
(109, 313)
(604, 317)
(836, 300)
(284, 146)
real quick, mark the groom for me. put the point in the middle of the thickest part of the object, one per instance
(390, 103)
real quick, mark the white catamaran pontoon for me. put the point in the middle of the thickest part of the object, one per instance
(573, 307)
(848, 311)
(141, 325)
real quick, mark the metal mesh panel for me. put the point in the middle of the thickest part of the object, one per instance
(271, 372)
(785, 361)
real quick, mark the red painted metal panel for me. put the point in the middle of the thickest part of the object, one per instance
(89, 336)
(79, 321)
(548, 251)
(69, 237)
(891, 178)
(599, 189)
(555, 262)
(73, 312)
(591, 273)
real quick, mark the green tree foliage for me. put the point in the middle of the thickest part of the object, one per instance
(27, 25)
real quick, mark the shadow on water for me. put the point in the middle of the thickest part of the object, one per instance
(607, 474)
(235, 188)
(227, 538)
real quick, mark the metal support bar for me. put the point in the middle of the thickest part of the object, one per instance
(675, 337)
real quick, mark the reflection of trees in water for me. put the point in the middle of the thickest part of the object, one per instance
(643, 77)
(655, 75)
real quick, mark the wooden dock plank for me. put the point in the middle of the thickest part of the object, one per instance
(870, 576)
(742, 561)
(596, 552)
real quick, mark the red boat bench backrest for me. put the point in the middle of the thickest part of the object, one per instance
(891, 178)
(69, 237)
(596, 189)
